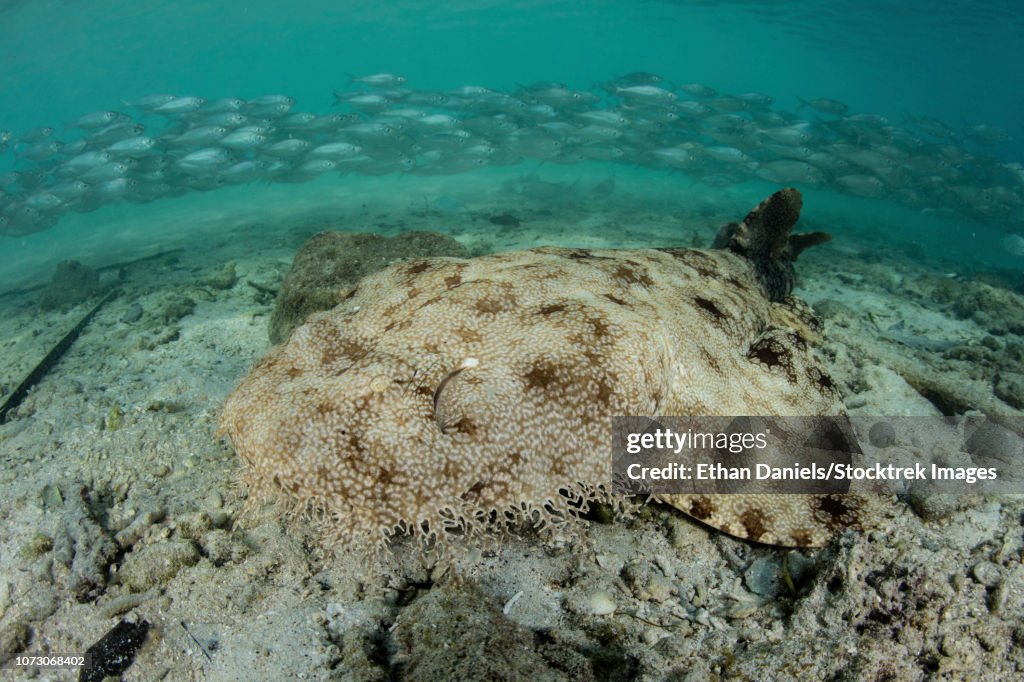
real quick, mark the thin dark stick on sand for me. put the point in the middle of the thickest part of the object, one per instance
(51, 359)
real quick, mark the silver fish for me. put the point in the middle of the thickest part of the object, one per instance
(393, 94)
(26, 220)
(799, 133)
(205, 158)
(533, 143)
(410, 113)
(97, 119)
(332, 122)
(726, 154)
(228, 119)
(116, 132)
(43, 201)
(268, 110)
(560, 97)
(69, 190)
(429, 99)
(596, 133)
(35, 135)
(244, 171)
(1014, 244)
(261, 129)
(481, 149)
(729, 103)
(634, 79)
(634, 119)
(179, 105)
(378, 80)
(558, 129)
(825, 105)
(87, 160)
(448, 140)
(279, 168)
(470, 91)
(297, 120)
(264, 100)
(645, 94)
(200, 136)
(932, 127)
(243, 139)
(756, 99)
(541, 112)
(861, 185)
(364, 102)
(604, 117)
(223, 105)
(496, 103)
(149, 191)
(114, 188)
(10, 179)
(334, 150)
(75, 147)
(828, 162)
(105, 171)
(396, 123)
(865, 158)
(676, 157)
(132, 146)
(698, 90)
(791, 171)
(771, 150)
(436, 122)
(41, 150)
(987, 135)
(400, 164)
(287, 148)
(314, 167)
(602, 152)
(369, 131)
(149, 102)
(693, 109)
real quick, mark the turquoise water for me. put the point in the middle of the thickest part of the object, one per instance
(954, 62)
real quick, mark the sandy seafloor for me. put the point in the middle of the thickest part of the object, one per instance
(119, 502)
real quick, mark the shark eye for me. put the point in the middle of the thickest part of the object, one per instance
(466, 364)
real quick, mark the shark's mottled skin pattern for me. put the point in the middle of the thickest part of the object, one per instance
(467, 393)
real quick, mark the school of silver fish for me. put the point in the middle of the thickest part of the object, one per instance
(166, 145)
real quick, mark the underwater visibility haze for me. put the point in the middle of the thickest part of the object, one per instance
(913, 104)
(183, 185)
